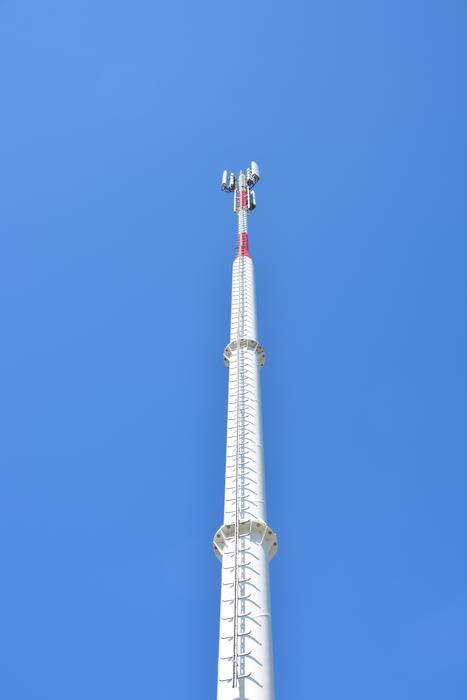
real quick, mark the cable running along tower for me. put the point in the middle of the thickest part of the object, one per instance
(245, 543)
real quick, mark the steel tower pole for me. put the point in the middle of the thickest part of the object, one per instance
(245, 543)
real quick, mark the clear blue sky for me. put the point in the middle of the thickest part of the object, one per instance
(117, 119)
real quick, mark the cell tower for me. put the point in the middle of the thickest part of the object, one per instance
(245, 543)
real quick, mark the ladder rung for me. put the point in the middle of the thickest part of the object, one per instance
(242, 580)
(230, 658)
(239, 634)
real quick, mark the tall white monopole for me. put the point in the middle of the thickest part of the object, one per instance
(245, 543)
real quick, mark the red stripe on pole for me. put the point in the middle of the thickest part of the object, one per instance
(242, 245)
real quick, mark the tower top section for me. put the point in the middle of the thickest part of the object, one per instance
(242, 187)
(244, 201)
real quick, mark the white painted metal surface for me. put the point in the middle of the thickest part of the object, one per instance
(245, 543)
